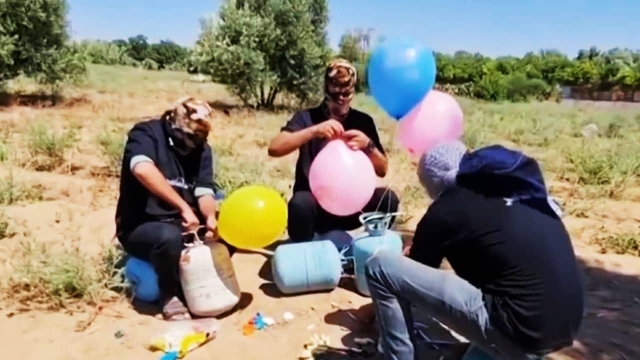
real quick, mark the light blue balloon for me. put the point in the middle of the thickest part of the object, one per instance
(400, 74)
(143, 279)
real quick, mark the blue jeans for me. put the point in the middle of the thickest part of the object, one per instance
(398, 283)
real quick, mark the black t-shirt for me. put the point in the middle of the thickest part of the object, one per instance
(136, 205)
(356, 120)
(521, 259)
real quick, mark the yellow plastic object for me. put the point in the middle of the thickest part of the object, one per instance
(188, 343)
(182, 337)
(159, 344)
(191, 342)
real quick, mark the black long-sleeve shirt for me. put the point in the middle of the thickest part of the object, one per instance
(521, 259)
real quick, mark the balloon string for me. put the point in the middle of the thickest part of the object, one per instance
(393, 148)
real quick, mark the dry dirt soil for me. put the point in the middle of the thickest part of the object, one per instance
(75, 205)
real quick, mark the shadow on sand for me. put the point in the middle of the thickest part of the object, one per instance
(155, 309)
(40, 100)
(610, 329)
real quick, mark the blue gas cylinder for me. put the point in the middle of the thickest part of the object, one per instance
(375, 237)
(340, 238)
(143, 280)
(306, 267)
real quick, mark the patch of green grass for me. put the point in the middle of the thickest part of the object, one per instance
(52, 278)
(4, 227)
(13, 191)
(624, 244)
(4, 150)
(609, 168)
(48, 148)
(111, 145)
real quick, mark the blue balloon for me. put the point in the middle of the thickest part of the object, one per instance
(400, 74)
(143, 280)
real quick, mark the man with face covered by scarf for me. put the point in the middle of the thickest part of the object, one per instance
(309, 131)
(167, 192)
(516, 291)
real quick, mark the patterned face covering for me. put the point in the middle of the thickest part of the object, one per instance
(438, 168)
(339, 85)
(190, 121)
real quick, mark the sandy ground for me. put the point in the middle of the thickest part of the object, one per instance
(610, 329)
(80, 207)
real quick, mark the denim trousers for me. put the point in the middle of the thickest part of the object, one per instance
(399, 284)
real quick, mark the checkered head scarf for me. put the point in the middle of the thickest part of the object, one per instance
(190, 122)
(340, 78)
(438, 167)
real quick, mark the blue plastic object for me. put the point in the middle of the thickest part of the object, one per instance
(475, 353)
(143, 280)
(400, 73)
(258, 322)
(376, 237)
(172, 355)
(306, 267)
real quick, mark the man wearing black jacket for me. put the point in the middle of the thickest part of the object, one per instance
(166, 192)
(516, 292)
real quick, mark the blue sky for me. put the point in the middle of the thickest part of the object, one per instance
(491, 27)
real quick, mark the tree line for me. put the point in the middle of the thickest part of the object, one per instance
(135, 51)
(535, 76)
(271, 52)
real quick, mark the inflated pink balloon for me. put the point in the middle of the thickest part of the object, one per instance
(342, 180)
(438, 117)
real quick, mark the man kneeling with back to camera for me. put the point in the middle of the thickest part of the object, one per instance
(309, 131)
(516, 292)
(167, 189)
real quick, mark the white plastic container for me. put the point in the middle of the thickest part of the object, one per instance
(208, 279)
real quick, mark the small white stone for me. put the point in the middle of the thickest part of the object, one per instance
(305, 354)
(269, 321)
(288, 316)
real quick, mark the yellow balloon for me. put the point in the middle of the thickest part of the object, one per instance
(252, 217)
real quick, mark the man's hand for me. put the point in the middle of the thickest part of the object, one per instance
(190, 221)
(329, 129)
(212, 229)
(356, 139)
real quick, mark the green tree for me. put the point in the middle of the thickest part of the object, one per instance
(264, 48)
(354, 47)
(138, 48)
(349, 48)
(166, 53)
(163, 55)
(104, 52)
(535, 76)
(121, 43)
(34, 42)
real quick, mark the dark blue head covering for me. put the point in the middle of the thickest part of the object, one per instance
(500, 172)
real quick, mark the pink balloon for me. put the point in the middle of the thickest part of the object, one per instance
(438, 117)
(342, 180)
